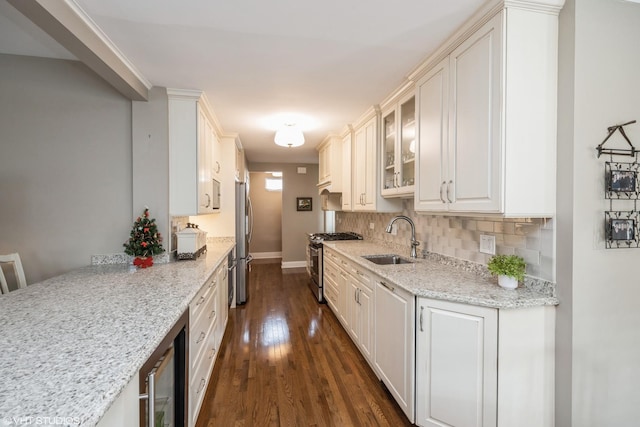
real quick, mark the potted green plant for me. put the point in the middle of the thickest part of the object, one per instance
(508, 268)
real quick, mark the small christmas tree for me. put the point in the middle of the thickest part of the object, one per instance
(144, 241)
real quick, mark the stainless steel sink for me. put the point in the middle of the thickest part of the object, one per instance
(387, 259)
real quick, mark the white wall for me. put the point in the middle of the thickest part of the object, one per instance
(598, 368)
(65, 165)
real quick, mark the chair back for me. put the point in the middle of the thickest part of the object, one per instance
(14, 261)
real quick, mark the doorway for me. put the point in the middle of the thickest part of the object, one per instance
(265, 191)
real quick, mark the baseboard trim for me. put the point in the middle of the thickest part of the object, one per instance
(294, 264)
(265, 255)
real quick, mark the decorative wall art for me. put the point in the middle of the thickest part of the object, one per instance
(304, 203)
(622, 188)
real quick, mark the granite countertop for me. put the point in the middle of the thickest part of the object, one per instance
(439, 279)
(70, 344)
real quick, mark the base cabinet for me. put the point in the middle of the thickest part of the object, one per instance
(207, 320)
(394, 339)
(360, 312)
(478, 366)
(457, 364)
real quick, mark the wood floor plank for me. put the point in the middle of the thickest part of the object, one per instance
(286, 361)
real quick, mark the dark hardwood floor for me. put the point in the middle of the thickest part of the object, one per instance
(286, 361)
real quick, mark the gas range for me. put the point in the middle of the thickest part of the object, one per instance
(314, 258)
(318, 238)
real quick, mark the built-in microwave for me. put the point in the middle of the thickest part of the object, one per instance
(215, 196)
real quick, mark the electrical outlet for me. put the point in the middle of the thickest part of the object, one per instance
(488, 244)
(394, 230)
(372, 225)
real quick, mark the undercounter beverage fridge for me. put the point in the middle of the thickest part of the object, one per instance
(244, 227)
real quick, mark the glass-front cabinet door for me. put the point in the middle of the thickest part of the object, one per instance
(398, 147)
(389, 128)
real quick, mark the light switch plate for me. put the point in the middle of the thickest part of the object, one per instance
(372, 225)
(488, 244)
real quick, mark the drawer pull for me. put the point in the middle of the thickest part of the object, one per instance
(391, 288)
(201, 386)
(213, 283)
(213, 353)
(212, 314)
(201, 337)
(200, 301)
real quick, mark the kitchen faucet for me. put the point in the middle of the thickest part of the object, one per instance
(414, 242)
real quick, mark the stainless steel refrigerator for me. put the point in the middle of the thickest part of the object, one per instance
(244, 227)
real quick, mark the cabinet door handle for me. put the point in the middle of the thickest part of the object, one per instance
(359, 292)
(150, 397)
(355, 295)
(391, 288)
(441, 187)
(448, 190)
(208, 200)
(201, 386)
(217, 167)
(421, 318)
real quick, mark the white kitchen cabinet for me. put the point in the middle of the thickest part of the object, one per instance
(398, 147)
(478, 366)
(223, 301)
(366, 189)
(487, 120)
(125, 410)
(347, 166)
(360, 310)
(457, 363)
(432, 150)
(192, 147)
(240, 163)
(330, 165)
(207, 322)
(394, 339)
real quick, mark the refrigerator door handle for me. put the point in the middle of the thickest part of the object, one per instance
(250, 218)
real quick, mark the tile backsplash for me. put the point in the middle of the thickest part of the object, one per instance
(459, 237)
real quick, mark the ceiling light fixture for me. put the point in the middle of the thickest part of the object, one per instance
(289, 136)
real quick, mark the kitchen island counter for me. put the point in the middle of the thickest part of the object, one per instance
(70, 344)
(440, 279)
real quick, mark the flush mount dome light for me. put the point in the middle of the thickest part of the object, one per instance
(289, 136)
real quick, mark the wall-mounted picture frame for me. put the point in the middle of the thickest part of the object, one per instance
(621, 180)
(622, 229)
(304, 203)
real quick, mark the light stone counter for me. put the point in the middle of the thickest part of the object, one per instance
(70, 344)
(439, 279)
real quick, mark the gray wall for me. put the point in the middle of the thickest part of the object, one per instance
(65, 165)
(295, 225)
(598, 317)
(150, 133)
(267, 224)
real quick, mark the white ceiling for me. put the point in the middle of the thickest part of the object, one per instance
(325, 62)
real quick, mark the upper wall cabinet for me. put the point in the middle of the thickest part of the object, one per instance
(194, 154)
(398, 148)
(487, 119)
(347, 165)
(330, 167)
(365, 179)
